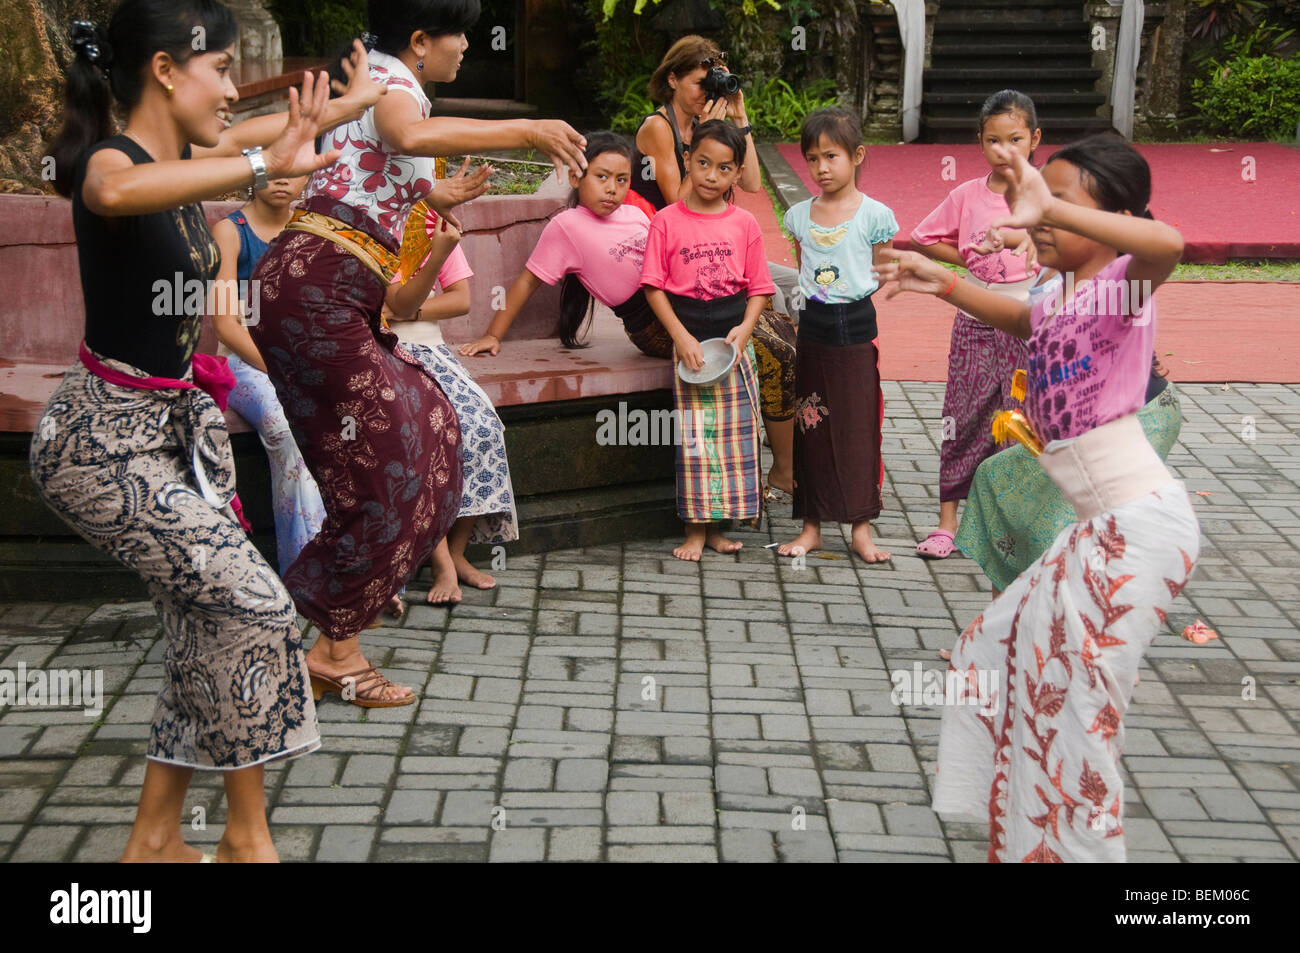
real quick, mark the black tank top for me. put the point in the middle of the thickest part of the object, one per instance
(643, 183)
(137, 310)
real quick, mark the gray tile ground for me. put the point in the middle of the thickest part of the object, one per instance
(616, 704)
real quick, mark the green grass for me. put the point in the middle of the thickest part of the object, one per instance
(1240, 270)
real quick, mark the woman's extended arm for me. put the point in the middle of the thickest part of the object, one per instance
(397, 119)
(516, 298)
(230, 327)
(359, 95)
(115, 186)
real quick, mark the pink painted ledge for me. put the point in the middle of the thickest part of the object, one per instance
(42, 313)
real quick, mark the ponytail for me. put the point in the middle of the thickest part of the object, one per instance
(111, 64)
(576, 311)
(87, 116)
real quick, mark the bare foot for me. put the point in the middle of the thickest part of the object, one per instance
(446, 588)
(470, 576)
(139, 850)
(257, 851)
(338, 659)
(693, 545)
(720, 544)
(395, 608)
(865, 547)
(781, 479)
(804, 543)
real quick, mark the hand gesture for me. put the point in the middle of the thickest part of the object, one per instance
(561, 142)
(912, 272)
(459, 188)
(294, 152)
(444, 240)
(1015, 241)
(1027, 194)
(487, 344)
(361, 91)
(688, 349)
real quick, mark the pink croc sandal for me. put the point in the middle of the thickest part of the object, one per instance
(938, 545)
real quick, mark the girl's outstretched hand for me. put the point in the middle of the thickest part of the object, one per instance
(294, 152)
(1027, 193)
(910, 271)
(487, 344)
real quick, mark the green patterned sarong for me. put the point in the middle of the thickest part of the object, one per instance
(1014, 510)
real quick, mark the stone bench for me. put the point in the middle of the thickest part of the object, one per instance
(571, 490)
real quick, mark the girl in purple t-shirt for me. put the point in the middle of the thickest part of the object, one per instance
(1038, 747)
(981, 359)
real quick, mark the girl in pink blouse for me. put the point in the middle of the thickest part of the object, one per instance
(1038, 747)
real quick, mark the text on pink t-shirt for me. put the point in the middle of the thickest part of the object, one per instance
(1090, 363)
(962, 220)
(706, 256)
(605, 251)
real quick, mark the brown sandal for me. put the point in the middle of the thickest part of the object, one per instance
(365, 686)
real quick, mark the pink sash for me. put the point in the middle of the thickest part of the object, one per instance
(212, 375)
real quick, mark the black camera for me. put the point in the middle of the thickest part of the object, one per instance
(718, 83)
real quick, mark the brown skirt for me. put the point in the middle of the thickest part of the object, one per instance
(837, 432)
(377, 432)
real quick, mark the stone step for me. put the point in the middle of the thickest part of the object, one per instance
(1062, 128)
(1012, 74)
(979, 54)
(1050, 28)
(976, 95)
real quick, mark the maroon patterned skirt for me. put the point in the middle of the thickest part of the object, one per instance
(376, 431)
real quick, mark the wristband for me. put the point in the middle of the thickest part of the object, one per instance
(254, 157)
(951, 286)
(746, 130)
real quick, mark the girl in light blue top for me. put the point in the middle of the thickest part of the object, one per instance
(839, 409)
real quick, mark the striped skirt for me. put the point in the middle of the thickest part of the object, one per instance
(718, 471)
(117, 465)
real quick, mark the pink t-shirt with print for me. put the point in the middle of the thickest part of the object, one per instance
(1089, 364)
(706, 256)
(606, 252)
(962, 220)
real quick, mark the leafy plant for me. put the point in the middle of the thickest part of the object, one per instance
(317, 27)
(634, 106)
(777, 110)
(1248, 93)
(1216, 19)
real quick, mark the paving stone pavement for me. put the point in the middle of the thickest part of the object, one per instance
(616, 704)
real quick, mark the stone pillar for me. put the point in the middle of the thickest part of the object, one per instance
(259, 34)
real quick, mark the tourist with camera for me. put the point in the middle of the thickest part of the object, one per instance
(693, 85)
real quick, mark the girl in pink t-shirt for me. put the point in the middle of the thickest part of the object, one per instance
(981, 359)
(1038, 746)
(706, 277)
(487, 508)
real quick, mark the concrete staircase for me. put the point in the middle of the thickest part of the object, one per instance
(1040, 47)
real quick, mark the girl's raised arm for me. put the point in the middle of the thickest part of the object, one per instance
(913, 272)
(1156, 247)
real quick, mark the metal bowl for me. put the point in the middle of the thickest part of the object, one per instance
(719, 357)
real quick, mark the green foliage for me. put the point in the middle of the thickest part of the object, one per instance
(1215, 19)
(1250, 93)
(777, 110)
(633, 106)
(317, 27)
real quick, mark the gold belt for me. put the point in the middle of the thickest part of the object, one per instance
(384, 263)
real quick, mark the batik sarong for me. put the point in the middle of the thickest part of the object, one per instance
(487, 494)
(377, 432)
(1044, 676)
(133, 472)
(981, 363)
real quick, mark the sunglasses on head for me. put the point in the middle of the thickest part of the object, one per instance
(718, 59)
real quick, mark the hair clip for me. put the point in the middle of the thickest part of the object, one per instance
(369, 41)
